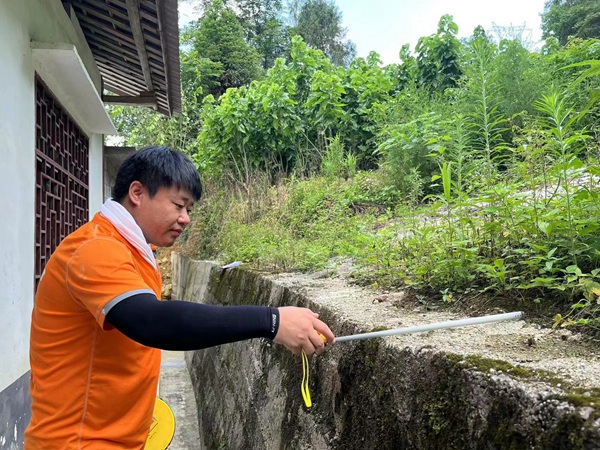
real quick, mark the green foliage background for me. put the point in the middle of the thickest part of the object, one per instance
(470, 168)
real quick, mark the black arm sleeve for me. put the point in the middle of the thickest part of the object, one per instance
(178, 325)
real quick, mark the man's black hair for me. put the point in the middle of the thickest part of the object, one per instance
(157, 167)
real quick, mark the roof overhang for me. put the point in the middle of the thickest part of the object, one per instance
(63, 71)
(135, 44)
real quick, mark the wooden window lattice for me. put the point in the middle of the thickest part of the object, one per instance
(62, 174)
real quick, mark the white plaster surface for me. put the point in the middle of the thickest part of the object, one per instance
(21, 22)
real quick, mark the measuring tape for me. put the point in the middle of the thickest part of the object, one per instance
(407, 330)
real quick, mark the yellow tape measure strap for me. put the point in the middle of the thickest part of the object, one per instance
(305, 375)
(304, 386)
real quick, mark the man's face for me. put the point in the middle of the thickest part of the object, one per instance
(163, 217)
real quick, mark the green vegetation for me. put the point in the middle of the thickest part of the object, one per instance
(471, 168)
(571, 18)
(319, 23)
(590, 397)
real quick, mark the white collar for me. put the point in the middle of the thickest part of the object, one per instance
(127, 227)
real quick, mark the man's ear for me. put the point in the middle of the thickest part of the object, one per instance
(136, 192)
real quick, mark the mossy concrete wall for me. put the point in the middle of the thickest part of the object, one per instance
(366, 395)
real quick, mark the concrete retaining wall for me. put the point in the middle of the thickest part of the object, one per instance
(366, 395)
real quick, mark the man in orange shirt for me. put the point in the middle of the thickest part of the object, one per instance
(98, 325)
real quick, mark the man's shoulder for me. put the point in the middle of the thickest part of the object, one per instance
(95, 234)
(98, 227)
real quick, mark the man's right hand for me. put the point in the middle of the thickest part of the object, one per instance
(300, 329)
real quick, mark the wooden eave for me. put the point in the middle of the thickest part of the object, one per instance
(136, 46)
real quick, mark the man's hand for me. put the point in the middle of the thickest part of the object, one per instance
(300, 329)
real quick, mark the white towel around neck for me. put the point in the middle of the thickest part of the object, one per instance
(127, 227)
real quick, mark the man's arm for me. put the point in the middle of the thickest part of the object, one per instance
(178, 325)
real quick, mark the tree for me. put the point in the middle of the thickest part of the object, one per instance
(577, 18)
(264, 28)
(404, 73)
(219, 37)
(438, 55)
(368, 86)
(319, 23)
(254, 12)
(288, 120)
(272, 40)
(293, 9)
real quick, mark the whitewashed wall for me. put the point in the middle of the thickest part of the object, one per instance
(23, 21)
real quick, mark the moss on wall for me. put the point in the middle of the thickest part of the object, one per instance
(369, 394)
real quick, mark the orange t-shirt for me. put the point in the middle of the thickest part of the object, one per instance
(91, 386)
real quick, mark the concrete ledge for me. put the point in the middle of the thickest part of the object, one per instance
(367, 394)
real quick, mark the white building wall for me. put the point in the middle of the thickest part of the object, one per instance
(22, 21)
(96, 194)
